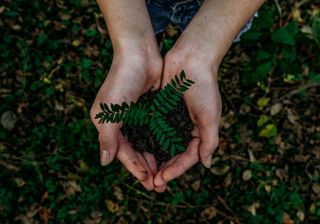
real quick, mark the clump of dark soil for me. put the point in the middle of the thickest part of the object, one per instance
(142, 138)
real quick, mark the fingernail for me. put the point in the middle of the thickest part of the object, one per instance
(104, 160)
(208, 162)
(144, 176)
(158, 182)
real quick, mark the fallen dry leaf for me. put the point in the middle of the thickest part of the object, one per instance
(118, 193)
(316, 189)
(45, 214)
(23, 219)
(267, 188)
(196, 185)
(9, 166)
(286, 219)
(20, 182)
(253, 208)
(8, 120)
(172, 30)
(220, 171)
(301, 215)
(247, 175)
(275, 109)
(251, 156)
(227, 181)
(112, 206)
(71, 187)
(292, 116)
(208, 214)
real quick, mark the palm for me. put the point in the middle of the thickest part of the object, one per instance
(204, 105)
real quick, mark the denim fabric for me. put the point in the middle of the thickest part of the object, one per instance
(179, 12)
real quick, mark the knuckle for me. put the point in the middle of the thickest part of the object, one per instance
(104, 141)
(212, 141)
(148, 187)
(207, 118)
(209, 144)
(215, 142)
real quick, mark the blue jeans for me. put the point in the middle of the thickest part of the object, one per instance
(179, 12)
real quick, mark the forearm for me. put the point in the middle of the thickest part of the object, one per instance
(128, 23)
(216, 24)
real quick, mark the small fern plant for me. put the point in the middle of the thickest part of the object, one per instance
(152, 114)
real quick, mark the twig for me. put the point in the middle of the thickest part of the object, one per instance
(235, 157)
(235, 219)
(279, 10)
(297, 6)
(137, 191)
(186, 206)
(228, 99)
(223, 202)
(295, 91)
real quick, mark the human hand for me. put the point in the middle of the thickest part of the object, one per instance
(131, 74)
(204, 105)
(199, 51)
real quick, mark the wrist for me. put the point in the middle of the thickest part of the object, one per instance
(134, 40)
(143, 57)
(144, 45)
(208, 45)
(128, 24)
(194, 54)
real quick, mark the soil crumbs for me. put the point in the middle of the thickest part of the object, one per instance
(142, 138)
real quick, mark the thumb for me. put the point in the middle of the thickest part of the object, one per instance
(108, 139)
(209, 136)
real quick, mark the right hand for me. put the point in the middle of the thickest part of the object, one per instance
(203, 102)
(131, 74)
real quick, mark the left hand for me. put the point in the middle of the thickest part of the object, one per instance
(203, 102)
(132, 73)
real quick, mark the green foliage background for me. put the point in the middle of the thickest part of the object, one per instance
(54, 55)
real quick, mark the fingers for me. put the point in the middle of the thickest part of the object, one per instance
(160, 189)
(179, 164)
(209, 136)
(151, 161)
(160, 184)
(184, 162)
(205, 111)
(108, 139)
(136, 165)
(129, 158)
(148, 183)
(158, 180)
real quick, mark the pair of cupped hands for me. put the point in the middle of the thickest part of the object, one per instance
(139, 67)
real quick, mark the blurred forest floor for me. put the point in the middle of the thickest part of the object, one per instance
(54, 56)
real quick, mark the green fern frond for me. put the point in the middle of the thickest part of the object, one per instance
(140, 114)
(113, 114)
(165, 135)
(136, 114)
(169, 97)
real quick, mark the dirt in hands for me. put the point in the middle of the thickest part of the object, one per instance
(142, 138)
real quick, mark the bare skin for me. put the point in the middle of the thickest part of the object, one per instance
(137, 67)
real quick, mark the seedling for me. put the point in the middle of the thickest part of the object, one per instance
(152, 114)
